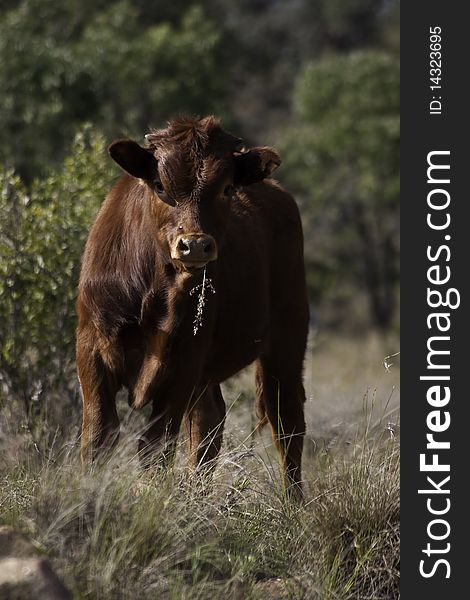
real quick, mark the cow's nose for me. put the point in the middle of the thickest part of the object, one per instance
(195, 248)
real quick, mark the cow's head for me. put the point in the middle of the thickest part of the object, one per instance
(194, 167)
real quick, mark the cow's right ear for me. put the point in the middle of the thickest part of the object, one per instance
(134, 159)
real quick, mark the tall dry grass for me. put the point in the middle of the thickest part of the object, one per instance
(119, 532)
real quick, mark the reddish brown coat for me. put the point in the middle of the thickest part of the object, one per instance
(192, 205)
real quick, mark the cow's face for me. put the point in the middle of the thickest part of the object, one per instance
(194, 168)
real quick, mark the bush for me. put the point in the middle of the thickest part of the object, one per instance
(42, 235)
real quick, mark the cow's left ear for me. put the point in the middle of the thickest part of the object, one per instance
(255, 165)
(134, 159)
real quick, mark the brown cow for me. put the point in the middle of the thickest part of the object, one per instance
(193, 269)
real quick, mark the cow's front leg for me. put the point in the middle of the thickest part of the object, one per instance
(100, 424)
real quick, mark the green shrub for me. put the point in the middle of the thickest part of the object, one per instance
(42, 235)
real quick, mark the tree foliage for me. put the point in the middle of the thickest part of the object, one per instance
(63, 63)
(343, 158)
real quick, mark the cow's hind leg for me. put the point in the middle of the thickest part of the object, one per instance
(100, 424)
(281, 399)
(204, 425)
(157, 443)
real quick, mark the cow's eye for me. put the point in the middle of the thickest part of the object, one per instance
(162, 194)
(228, 190)
(159, 187)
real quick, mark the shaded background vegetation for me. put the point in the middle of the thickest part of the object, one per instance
(317, 78)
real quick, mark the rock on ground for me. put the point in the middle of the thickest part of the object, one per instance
(23, 574)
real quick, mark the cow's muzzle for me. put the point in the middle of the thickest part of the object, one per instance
(194, 250)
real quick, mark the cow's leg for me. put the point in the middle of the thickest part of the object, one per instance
(260, 406)
(158, 440)
(100, 424)
(204, 425)
(281, 399)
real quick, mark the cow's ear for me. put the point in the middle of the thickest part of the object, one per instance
(255, 165)
(134, 159)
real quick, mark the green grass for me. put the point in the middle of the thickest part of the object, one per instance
(119, 532)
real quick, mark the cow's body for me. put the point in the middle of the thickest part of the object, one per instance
(138, 305)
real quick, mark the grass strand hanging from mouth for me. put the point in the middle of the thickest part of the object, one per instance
(206, 285)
